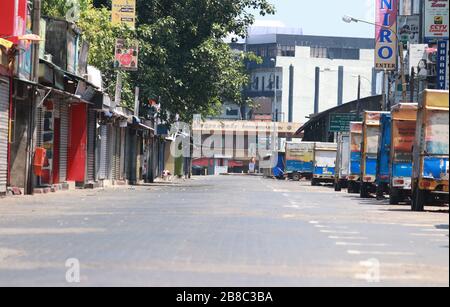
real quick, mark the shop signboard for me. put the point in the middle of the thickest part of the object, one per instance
(436, 20)
(386, 44)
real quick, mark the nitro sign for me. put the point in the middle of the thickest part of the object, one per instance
(386, 44)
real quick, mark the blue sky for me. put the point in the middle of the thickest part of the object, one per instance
(323, 17)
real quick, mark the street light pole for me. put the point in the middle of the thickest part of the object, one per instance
(349, 19)
(275, 100)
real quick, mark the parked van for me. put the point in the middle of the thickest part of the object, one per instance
(342, 162)
(355, 157)
(431, 150)
(324, 163)
(384, 156)
(299, 160)
(369, 160)
(404, 117)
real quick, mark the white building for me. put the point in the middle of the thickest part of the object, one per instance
(336, 61)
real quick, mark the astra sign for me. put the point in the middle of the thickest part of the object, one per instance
(385, 36)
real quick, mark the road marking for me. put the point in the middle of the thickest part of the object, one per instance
(435, 230)
(361, 244)
(378, 253)
(347, 238)
(291, 206)
(313, 222)
(341, 232)
(440, 240)
(429, 235)
(281, 191)
(393, 277)
(288, 216)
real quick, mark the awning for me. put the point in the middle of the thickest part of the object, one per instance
(6, 43)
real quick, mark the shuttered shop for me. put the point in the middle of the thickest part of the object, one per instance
(64, 141)
(92, 126)
(4, 115)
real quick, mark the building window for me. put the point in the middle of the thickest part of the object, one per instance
(344, 53)
(319, 52)
(278, 82)
(263, 83)
(335, 53)
(288, 51)
(232, 112)
(256, 83)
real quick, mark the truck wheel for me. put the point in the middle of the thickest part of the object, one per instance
(296, 177)
(394, 196)
(380, 191)
(364, 190)
(350, 188)
(314, 182)
(418, 200)
(337, 186)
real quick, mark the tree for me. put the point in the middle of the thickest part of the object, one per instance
(183, 59)
(194, 70)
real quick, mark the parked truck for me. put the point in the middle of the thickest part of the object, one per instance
(404, 117)
(342, 162)
(431, 150)
(324, 163)
(369, 159)
(299, 160)
(355, 157)
(384, 156)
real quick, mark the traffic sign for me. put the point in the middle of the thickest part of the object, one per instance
(340, 122)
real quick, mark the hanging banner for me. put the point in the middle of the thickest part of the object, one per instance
(124, 12)
(386, 44)
(126, 55)
(408, 29)
(436, 20)
(442, 65)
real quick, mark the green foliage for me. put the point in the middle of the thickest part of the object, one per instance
(183, 59)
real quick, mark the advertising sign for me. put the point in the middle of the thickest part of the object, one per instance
(409, 29)
(126, 55)
(124, 12)
(436, 19)
(442, 65)
(386, 44)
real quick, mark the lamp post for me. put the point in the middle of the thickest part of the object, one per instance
(349, 19)
(359, 90)
(275, 98)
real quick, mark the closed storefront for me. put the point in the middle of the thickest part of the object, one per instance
(64, 141)
(117, 173)
(4, 134)
(91, 145)
(53, 134)
(106, 146)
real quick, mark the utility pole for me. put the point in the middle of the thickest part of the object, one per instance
(384, 103)
(359, 95)
(32, 132)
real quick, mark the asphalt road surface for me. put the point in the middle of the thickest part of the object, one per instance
(220, 231)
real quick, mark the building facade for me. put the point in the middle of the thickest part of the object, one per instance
(303, 75)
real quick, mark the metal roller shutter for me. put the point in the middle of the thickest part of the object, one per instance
(92, 126)
(123, 132)
(64, 141)
(4, 124)
(110, 153)
(113, 158)
(103, 152)
(116, 154)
